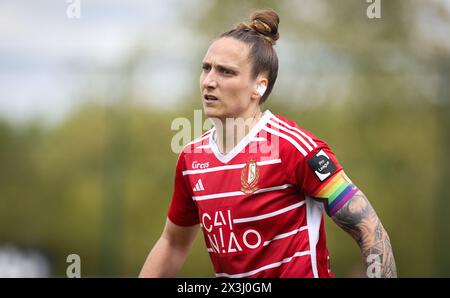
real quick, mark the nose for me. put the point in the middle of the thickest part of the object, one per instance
(209, 80)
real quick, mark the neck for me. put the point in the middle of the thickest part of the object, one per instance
(230, 131)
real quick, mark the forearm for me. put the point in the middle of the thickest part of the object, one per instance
(377, 254)
(164, 260)
(358, 218)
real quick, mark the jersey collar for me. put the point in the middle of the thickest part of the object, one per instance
(243, 143)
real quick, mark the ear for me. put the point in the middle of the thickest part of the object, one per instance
(260, 87)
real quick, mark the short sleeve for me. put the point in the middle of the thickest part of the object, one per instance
(319, 175)
(182, 209)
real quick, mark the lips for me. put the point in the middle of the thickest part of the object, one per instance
(208, 97)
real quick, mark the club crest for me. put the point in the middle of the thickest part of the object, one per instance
(249, 177)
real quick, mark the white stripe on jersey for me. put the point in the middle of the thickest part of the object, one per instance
(268, 162)
(292, 133)
(288, 138)
(205, 135)
(230, 167)
(271, 214)
(296, 129)
(214, 169)
(258, 139)
(273, 265)
(284, 235)
(237, 193)
(218, 195)
(273, 188)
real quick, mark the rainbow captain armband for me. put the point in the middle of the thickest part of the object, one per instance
(336, 191)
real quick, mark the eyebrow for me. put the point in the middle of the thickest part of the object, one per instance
(230, 67)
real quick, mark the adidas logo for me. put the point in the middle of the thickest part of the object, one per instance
(199, 185)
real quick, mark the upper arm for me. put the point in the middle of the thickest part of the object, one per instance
(319, 175)
(180, 236)
(358, 218)
(335, 192)
(182, 209)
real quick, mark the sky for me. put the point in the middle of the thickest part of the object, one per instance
(50, 63)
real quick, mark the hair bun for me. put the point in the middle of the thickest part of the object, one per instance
(266, 23)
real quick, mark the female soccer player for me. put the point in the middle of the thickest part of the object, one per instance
(257, 184)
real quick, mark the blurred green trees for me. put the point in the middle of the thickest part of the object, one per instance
(54, 184)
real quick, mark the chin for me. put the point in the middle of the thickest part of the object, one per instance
(212, 113)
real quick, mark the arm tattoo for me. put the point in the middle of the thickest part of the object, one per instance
(358, 218)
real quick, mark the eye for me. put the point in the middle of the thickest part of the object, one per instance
(226, 71)
(206, 67)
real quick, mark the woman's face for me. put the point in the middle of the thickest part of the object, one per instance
(226, 84)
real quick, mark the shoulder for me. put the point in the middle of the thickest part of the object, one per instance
(197, 143)
(293, 139)
(195, 147)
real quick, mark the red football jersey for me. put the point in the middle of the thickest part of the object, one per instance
(255, 204)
